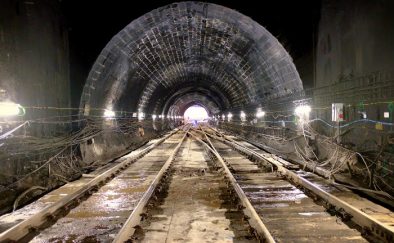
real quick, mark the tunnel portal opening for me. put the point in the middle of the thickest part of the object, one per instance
(195, 114)
(180, 55)
(189, 51)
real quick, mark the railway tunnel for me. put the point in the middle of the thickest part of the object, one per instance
(288, 145)
(190, 53)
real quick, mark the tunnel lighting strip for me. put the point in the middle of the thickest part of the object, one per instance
(20, 230)
(377, 228)
(254, 219)
(130, 112)
(134, 219)
(111, 113)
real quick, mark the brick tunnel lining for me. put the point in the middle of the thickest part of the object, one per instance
(189, 46)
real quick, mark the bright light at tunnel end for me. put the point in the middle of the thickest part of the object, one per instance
(196, 113)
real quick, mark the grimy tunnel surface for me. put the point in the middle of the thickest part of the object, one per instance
(189, 53)
(126, 166)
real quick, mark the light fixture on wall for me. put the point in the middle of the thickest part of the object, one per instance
(243, 116)
(260, 113)
(229, 116)
(302, 111)
(8, 109)
(141, 116)
(109, 113)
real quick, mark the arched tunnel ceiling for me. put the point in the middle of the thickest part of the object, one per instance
(204, 52)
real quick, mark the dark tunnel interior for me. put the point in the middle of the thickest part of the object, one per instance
(311, 82)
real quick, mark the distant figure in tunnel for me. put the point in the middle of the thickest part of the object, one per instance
(141, 131)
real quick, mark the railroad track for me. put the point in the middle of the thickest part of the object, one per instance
(194, 205)
(202, 185)
(297, 206)
(94, 208)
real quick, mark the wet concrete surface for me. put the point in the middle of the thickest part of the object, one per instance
(197, 206)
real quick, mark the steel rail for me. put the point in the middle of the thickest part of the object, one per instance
(254, 219)
(128, 229)
(23, 228)
(324, 173)
(366, 222)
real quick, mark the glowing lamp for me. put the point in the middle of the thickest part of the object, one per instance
(302, 110)
(260, 113)
(229, 116)
(141, 116)
(109, 113)
(10, 109)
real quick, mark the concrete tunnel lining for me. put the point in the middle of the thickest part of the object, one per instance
(188, 45)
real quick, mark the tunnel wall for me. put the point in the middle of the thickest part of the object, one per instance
(34, 72)
(189, 44)
(113, 142)
(188, 53)
(34, 63)
(355, 39)
(355, 66)
(355, 55)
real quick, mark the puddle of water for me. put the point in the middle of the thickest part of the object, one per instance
(311, 213)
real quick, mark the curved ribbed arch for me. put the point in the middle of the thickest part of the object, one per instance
(190, 44)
